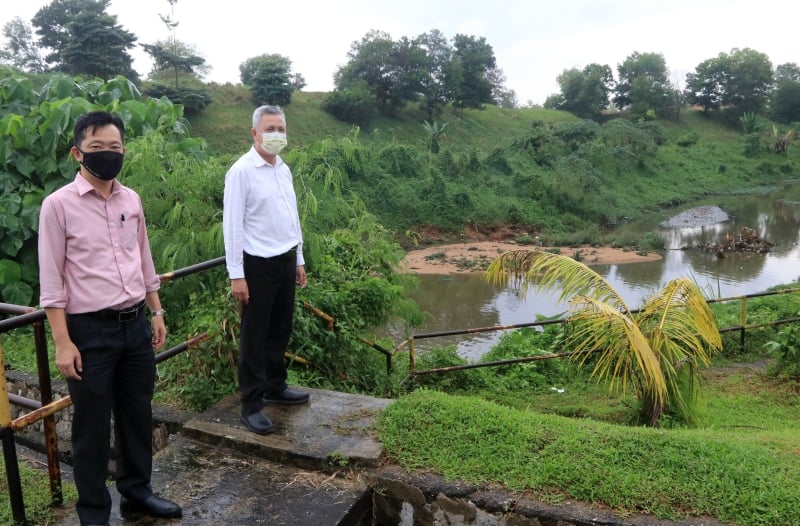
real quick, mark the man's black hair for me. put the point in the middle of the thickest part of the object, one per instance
(93, 120)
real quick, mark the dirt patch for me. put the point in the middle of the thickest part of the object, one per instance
(475, 256)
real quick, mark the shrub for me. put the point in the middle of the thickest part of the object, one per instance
(355, 105)
(192, 99)
(688, 139)
(785, 348)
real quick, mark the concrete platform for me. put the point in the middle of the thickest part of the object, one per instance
(331, 430)
(221, 473)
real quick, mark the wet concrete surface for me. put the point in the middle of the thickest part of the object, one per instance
(302, 474)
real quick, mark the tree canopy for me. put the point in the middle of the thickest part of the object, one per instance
(584, 92)
(740, 80)
(425, 69)
(23, 51)
(269, 78)
(642, 84)
(85, 40)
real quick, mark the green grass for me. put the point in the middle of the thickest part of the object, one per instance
(225, 123)
(742, 468)
(35, 493)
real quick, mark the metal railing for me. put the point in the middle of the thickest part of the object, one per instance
(742, 328)
(46, 408)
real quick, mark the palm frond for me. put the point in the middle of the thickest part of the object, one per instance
(545, 270)
(625, 355)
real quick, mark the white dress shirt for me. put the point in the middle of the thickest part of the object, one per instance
(260, 212)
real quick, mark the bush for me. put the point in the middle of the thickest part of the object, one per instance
(355, 105)
(688, 139)
(785, 348)
(192, 99)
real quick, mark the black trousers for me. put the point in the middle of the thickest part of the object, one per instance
(266, 327)
(118, 377)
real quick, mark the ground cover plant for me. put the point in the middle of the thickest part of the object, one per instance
(743, 474)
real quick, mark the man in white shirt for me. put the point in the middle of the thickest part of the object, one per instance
(264, 257)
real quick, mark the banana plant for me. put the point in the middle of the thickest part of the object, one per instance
(655, 352)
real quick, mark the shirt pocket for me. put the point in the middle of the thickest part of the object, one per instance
(130, 233)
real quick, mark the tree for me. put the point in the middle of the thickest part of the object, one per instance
(23, 52)
(748, 82)
(434, 88)
(175, 57)
(657, 351)
(643, 84)
(392, 71)
(785, 101)
(787, 71)
(584, 92)
(473, 60)
(704, 86)
(172, 55)
(269, 78)
(740, 80)
(84, 39)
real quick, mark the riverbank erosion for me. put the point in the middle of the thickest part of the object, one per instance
(475, 256)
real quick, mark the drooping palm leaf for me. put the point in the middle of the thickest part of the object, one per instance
(527, 268)
(658, 349)
(600, 318)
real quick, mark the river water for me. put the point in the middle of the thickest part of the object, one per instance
(462, 301)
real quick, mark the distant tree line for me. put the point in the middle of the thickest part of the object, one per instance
(736, 83)
(381, 75)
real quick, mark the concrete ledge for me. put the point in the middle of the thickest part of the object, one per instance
(331, 430)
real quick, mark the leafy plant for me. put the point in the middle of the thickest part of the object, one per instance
(35, 139)
(786, 350)
(657, 352)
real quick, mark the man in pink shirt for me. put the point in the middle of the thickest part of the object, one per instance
(96, 275)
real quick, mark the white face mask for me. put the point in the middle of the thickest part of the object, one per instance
(273, 142)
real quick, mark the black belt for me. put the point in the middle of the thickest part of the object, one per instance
(129, 314)
(291, 252)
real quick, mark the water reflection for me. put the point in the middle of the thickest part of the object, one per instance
(464, 301)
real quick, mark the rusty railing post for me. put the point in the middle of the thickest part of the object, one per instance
(49, 422)
(10, 451)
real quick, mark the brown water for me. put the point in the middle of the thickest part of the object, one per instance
(464, 301)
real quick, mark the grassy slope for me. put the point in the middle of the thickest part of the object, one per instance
(676, 175)
(225, 123)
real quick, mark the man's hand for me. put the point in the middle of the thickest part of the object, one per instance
(159, 331)
(240, 290)
(68, 360)
(300, 276)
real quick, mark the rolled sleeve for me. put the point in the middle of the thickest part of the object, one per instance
(52, 254)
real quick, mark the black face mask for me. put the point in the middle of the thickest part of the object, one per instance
(104, 164)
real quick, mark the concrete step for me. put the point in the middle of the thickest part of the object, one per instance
(332, 430)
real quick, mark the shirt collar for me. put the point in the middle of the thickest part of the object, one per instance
(84, 186)
(259, 161)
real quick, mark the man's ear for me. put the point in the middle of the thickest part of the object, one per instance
(75, 153)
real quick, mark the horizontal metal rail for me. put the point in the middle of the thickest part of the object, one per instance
(742, 328)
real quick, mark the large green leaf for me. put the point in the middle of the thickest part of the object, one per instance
(10, 272)
(18, 293)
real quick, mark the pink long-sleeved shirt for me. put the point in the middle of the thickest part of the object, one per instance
(93, 253)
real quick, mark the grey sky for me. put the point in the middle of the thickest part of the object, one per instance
(533, 40)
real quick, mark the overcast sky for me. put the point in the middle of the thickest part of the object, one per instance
(533, 40)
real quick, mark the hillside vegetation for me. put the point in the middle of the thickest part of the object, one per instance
(571, 179)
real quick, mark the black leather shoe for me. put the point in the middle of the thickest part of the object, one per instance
(258, 423)
(153, 506)
(287, 396)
